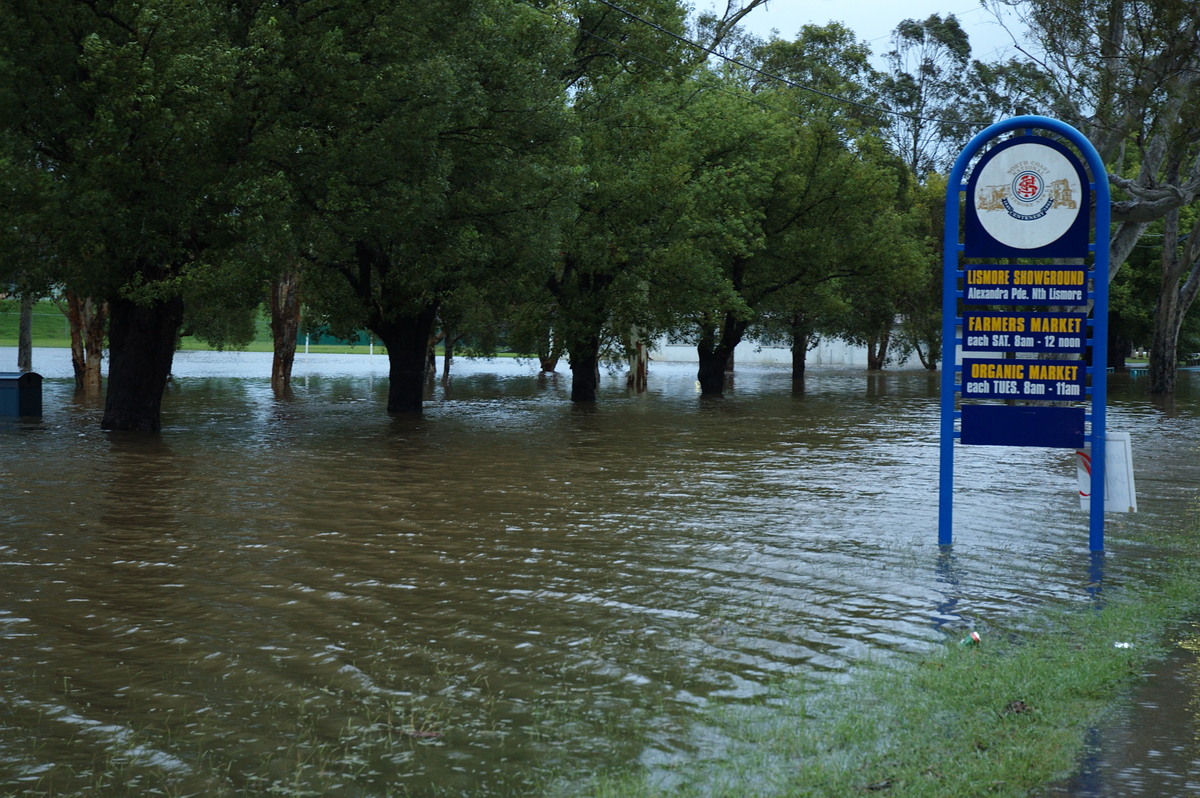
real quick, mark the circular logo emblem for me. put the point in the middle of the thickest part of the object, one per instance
(1028, 186)
(1027, 196)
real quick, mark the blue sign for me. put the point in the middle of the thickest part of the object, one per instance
(1036, 188)
(1025, 285)
(1041, 380)
(1023, 425)
(993, 331)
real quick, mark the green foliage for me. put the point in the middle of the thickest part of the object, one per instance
(424, 147)
(828, 60)
(790, 211)
(925, 83)
(123, 130)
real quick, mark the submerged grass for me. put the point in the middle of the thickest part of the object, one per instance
(1005, 717)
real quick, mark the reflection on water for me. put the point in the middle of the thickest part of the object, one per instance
(1153, 748)
(307, 595)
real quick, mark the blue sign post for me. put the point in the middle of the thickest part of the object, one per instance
(1029, 205)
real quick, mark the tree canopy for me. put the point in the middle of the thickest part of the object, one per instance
(573, 174)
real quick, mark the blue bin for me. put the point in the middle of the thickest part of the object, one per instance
(20, 393)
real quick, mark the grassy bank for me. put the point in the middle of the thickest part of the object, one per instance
(50, 329)
(1007, 716)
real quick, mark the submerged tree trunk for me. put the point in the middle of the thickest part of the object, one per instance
(431, 356)
(711, 373)
(715, 352)
(1164, 346)
(582, 298)
(406, 339)
(639, 360)
(928, 362)
(584, 359)
(549, 352)
(802, 336)
(877, 350)
(87, 320)
(1175, 297)
(142, 340)
(285, 329)
(1119, 350)
(25, 334)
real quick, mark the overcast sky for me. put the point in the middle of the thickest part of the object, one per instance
(874, 20)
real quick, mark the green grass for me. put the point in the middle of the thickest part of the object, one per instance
(1005, 717)
(50, 329)
(49, 325)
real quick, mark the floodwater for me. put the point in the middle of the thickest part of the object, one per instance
(1150, 748)
(308, 597)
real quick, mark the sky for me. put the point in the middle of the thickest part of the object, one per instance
(874, 20)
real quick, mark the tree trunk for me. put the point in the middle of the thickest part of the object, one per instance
(25, 334)
(431, 356)
(585, 369)
(802, 335)
(1119, 350)
(1175, 296)
(926, 362)
(1164, 346)
(548, 353)
(406, 339)
(639, 359)
(582, 298)
(447, 355)
(711, 373)
(715, 351)
(877, 350)
(142, 341)
(285, 329)
(87, 320)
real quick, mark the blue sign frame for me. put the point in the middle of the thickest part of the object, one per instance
(979, 243)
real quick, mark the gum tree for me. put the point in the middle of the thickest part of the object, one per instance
(629, 261)
(1127, 74)
(924, 86)
(626, 80)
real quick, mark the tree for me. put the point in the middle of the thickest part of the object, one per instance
(633, 80)
(1127, 74)
(624, 81)
(1180, 282)
(827, 62)
(126, 112)
(284, 303)
(920, 299)
(87, 320)
(924, 87)
(630, 221)
(425, 151)
(792, 207)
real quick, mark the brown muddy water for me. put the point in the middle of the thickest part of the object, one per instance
(308, 597)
